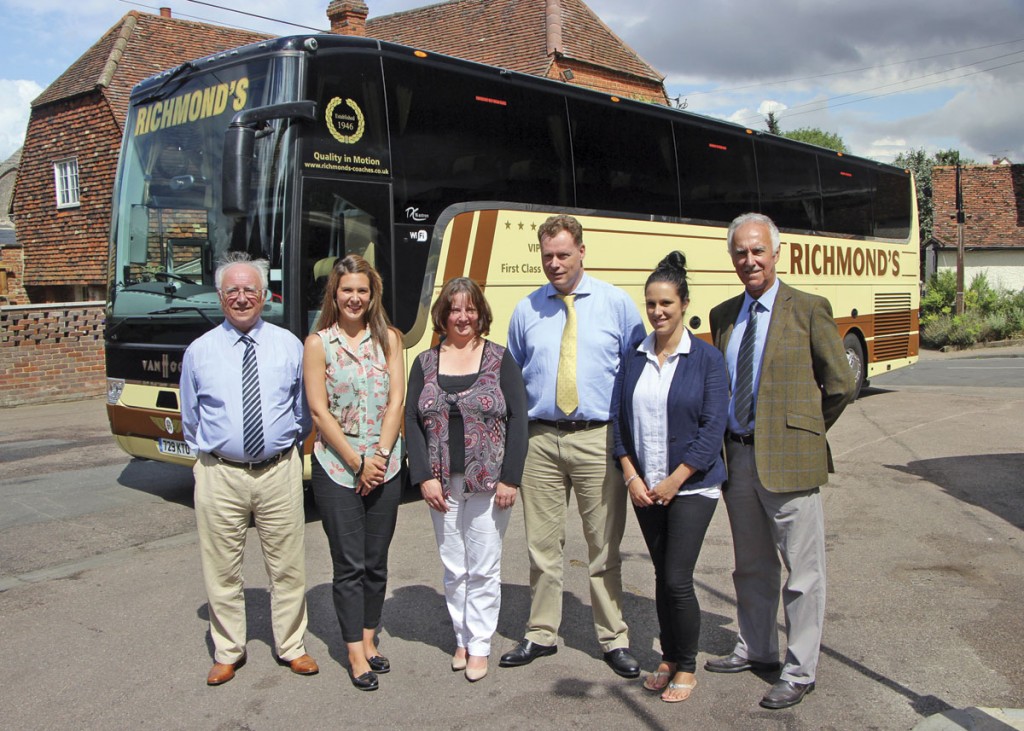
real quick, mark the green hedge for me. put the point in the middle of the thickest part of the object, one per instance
(989, 313)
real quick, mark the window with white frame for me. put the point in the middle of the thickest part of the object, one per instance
(65, 175)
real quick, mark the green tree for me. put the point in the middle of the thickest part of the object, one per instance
(771, 122)
(920, 163)
(819, 137)
(951, 157)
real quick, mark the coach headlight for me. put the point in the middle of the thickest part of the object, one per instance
(114, 388)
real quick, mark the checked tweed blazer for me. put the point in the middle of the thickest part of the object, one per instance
(806, 382)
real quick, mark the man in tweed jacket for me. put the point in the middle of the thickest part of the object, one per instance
(778, 458)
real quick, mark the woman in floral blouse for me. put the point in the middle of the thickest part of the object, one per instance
(355, 387)
(465, 422)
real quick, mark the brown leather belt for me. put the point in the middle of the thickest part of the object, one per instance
(253, 465)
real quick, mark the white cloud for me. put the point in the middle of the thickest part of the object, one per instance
(986, 118)
(802, 56)
(17, 95)
(769, 105)
(740, 116)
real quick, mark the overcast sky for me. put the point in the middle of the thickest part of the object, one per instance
(885, 75)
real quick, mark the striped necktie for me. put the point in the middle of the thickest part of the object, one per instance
(252, 414)
(743, 398)
(567, 398)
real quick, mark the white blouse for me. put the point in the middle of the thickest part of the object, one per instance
(650, 415)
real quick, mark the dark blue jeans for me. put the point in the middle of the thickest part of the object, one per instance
(359, 531)
(674, 535)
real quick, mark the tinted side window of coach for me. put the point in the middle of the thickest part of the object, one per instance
(717, 173)
(624, 160)
(893, 205)
(848, 191)
(464, 136)
(788, 179)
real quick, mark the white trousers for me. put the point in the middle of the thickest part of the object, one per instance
(469, 539)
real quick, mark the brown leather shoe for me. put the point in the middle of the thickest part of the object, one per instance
(222, 672)
(304, 665)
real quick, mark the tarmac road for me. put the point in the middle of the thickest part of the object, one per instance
(103, 618)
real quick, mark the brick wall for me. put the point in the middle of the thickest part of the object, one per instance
(67, 246)
(609, 82)
(51, 352)
(993, 203)
(10, 262)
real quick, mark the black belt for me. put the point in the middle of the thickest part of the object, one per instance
(744, 439)
(572, 424)
(253, 465)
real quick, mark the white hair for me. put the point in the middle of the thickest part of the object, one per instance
(746, 218)
(261, 267)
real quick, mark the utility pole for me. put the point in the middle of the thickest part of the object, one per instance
(959, 241)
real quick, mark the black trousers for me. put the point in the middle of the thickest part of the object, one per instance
(674, 535)
(359, 530)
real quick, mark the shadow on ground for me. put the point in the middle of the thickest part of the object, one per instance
(994, 482)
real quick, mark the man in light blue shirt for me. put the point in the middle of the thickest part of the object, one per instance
(764, 305)
(243, 411)
(569, 337)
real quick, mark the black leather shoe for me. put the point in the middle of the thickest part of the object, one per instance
(366, 681)
(735, 664)
(785, 694)
(525, 653)
(379, 664)
(623, 662)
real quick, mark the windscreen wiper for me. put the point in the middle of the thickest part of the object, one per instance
(176, 310)
(162, 92)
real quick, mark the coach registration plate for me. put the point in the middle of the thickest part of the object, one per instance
(175, 447)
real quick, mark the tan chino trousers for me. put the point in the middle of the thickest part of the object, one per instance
(225, 497)
(558, 462)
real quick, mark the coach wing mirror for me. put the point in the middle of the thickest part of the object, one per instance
(239, 144)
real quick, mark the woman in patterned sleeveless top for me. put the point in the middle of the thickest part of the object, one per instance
(465, 422)
(355, 387)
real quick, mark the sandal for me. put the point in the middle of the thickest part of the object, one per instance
(688, 687)
(657, 681)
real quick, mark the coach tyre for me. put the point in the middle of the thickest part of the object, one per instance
(855, 356)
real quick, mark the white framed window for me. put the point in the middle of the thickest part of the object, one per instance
(65, 177)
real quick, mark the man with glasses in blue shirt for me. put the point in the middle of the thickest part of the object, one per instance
(243, 412)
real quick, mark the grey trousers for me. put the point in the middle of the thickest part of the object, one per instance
(765, 526)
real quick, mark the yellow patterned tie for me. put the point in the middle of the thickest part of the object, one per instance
(566, 396)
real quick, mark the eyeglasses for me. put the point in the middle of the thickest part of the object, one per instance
(249, 293)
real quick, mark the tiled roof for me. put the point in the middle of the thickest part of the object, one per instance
(993, 199)
(513, 34)
(11, 162)
(137, 47)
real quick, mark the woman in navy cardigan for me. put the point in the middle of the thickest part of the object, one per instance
(671, 399)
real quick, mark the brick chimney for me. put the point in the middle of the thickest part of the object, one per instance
(165, 12)
(348, 17)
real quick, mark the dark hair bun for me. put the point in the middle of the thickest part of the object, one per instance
(675, 261)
